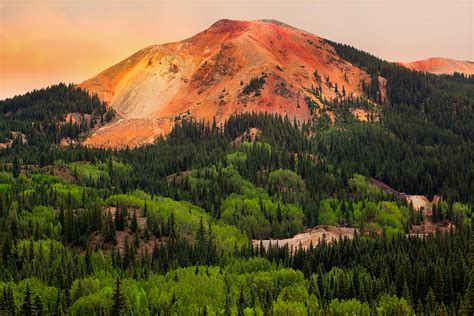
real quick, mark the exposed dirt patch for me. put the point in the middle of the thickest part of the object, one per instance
(428, 227)
(420, 202)
(311, 236)
(14, 136)
(360, 114)
(128, 132)
(178, 176)
(64, 173)
(126, 235)
(250, 135)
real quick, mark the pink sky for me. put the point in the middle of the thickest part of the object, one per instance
(46, 42)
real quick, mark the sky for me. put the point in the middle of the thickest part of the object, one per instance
(43, 42)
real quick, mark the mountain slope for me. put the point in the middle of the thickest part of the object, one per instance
(208, 76)
(439, 65)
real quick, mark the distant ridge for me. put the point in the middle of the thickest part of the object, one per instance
(440, 65)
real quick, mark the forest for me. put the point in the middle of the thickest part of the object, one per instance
(176, 227)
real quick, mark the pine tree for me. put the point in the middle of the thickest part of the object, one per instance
(39, 310)
(228, 298)
(120, 219)
(241, 303)
(118, 300)
(439, 282)
(27, 305)
(171, 226)
(419, 308)
(16, 167)
(468, 303)
(145, 209)
(406, 294)
(108, 229)
(430, 301)
(134, 223)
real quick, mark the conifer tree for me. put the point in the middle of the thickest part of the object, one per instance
(39, 309)
(134, 223)
(120, 219)
(118, 299)
(468, 303)
(241, 303)
(27, 305)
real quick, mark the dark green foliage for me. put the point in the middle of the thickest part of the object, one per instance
(468, 302)
(118, 299)
(27, 306)
(431, 117)
(40, 114)
(255, 85)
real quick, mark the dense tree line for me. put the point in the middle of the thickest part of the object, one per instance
(41, 114)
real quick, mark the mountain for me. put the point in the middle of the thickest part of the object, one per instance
(440, 65)
(232, 67)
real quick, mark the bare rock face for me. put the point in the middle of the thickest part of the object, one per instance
(439, 65)
(205, 77)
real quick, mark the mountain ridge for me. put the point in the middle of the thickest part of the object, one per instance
(440, 65)
(205, 77)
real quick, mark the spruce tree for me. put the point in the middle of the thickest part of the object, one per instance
(118, 298)
(241, 303)
(134, 223)
(27, 305)
(120, 219)
(39, 310)
(468, 303)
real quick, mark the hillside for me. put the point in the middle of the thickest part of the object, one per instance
(232, 67)
(439, 65)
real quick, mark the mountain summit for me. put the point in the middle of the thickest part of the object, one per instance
(440, 65)
(232, 67)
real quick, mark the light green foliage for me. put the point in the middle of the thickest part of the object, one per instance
(237, 182)
(237, 158)
(84, 287)
(462, 212)
(283, 308)
(385, 215)
(294, 293)
(361, 185)
(46, 293)
(4, 187)
(392, 305)
(93, 304)
(40, 247)
(42, 221)
(45, 179)
(286, 184)
(63, 191)
(258, 145)
(87, 171)
(186, 217)
(5, 177)
(392, 217)
(349, 307)
(327, 215)
(260, 217)
(253, 212)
